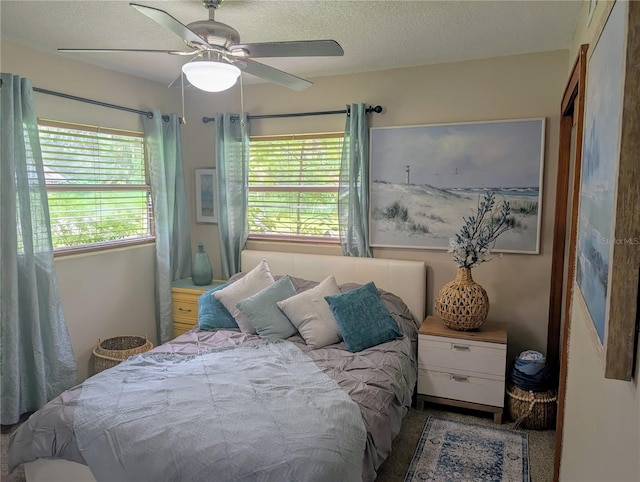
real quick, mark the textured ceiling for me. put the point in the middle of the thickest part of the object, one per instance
(375, 35)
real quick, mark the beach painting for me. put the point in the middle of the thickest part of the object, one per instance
(601, 145)
(425, 179)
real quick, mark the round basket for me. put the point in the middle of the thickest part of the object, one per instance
(532, 410)
(110, 352)
(462, 304)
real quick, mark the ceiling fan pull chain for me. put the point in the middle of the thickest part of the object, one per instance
(184, 118)
(243, 123)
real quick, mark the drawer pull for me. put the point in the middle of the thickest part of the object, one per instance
(461, 347)
(459, 378)
(185, 310)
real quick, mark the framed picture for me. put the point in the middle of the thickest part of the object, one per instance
(206, 203)
(425, 179)
(608, 249)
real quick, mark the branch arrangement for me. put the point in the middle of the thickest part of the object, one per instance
(479, 232)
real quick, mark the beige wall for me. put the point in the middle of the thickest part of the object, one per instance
(601, 438)
(500, 88)
(107, 294)
(513, 87)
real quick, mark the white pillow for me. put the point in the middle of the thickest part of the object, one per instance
(311, 315)
(255, 280)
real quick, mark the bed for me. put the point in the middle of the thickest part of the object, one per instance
(243, 406)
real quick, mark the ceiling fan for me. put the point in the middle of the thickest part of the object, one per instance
(218, 57)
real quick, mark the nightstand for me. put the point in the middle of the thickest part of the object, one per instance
(184, 297)
(462, 368)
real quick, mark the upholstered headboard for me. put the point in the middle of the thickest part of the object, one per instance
(406, 279)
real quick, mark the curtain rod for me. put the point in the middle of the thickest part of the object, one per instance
(102, 104)
(377, 109)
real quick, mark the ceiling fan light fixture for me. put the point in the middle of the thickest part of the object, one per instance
(211, 76)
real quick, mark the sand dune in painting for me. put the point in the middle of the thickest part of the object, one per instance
(425, 216)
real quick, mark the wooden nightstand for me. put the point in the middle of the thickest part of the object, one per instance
(462, 368)
(184, 297)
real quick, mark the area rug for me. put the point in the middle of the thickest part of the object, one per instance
(449, 450)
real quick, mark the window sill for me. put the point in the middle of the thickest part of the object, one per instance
(94, 248)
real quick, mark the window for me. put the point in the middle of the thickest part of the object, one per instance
(293, 187)
(97, 186)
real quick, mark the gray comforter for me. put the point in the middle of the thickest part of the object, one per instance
(380, 380)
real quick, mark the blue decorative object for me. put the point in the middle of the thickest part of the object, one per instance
(363, 319)
(201, 271)
(530, 372)
(212, 314)
(451, 450)
(263, 313)
(530, 362)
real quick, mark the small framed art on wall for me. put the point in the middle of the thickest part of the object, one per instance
(206, 203)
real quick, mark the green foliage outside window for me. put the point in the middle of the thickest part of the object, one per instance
(89, 217)
(293, 186)
(97, 185)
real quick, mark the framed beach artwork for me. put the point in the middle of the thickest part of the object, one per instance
(206, 205)
(425, 179)
(608, 249)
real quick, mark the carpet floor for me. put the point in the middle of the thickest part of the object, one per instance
(541, 446)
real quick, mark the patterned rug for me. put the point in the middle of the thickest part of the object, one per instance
(449, 450)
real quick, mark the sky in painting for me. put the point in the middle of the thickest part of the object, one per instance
(486, 154)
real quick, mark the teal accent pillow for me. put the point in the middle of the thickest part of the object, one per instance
(211, 313)
(263, 313)
(363, 319)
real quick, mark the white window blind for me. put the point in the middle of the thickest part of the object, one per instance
(97, 186)
(293, 187)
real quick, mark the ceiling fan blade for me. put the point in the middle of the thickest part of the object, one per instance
(167, 21)
(300, 48)
(170, 52)
(274, 75)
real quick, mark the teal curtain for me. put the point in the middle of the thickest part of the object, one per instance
(171, 213)
(37, 358)
(232, 161)
(353, 197)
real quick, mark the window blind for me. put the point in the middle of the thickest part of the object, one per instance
(97, 185)
(293, 186)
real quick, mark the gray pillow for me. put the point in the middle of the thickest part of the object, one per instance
(310, 314)
(255, 280)
(263, 313)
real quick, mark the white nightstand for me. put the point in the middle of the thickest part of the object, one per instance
(462, 368)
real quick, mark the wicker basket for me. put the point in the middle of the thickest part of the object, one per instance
(110, 352)
(462, 304)
(532, 410)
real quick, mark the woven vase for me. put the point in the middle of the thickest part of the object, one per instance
(462, 304)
